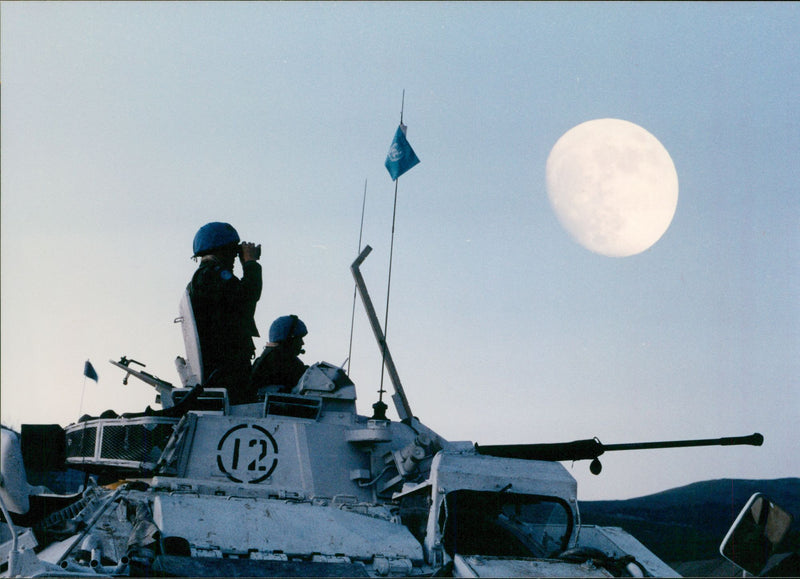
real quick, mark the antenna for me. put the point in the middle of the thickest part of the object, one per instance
(355, 286)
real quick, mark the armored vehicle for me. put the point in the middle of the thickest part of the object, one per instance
(297, 484)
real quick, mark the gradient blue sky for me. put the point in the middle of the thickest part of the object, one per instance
(126, 126)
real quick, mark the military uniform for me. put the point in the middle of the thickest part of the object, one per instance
(277, 366)
(224, 307)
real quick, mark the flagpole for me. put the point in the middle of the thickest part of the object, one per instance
(355, 286)
(391, 254)
(388, 290)
(83, 390)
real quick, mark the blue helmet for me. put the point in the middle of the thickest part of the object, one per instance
(213, 236)
(286, 327)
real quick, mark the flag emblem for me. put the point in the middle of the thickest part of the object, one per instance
(401, 156)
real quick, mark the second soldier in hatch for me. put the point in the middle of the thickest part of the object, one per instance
(278, 364)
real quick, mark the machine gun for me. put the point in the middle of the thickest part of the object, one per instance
(592, 448)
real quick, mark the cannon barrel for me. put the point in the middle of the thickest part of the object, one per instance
(754, 439)
(592, 448)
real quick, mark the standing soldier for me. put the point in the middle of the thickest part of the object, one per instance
(224, 308)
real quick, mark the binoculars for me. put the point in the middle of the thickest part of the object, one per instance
(258, 251)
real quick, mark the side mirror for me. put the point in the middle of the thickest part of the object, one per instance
(755, 534)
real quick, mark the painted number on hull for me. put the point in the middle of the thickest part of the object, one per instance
(247, 453)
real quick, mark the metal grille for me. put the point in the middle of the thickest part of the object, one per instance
(80, 441)
(139, 442)
(118, 442)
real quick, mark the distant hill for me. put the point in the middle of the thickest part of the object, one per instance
(685, 526)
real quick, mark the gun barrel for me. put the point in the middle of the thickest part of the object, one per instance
(754, 439)
(592, 448)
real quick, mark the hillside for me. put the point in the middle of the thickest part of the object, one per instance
(687, 524)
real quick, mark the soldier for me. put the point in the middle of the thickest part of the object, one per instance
(278, 364)
(224, 308)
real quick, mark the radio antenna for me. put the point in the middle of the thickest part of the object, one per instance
(355, 286)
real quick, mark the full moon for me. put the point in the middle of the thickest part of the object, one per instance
(613, 186)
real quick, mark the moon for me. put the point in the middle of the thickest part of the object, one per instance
(613, 186)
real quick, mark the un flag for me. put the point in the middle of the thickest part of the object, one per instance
(401, 156)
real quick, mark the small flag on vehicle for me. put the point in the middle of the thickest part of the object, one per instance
(89, 372)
